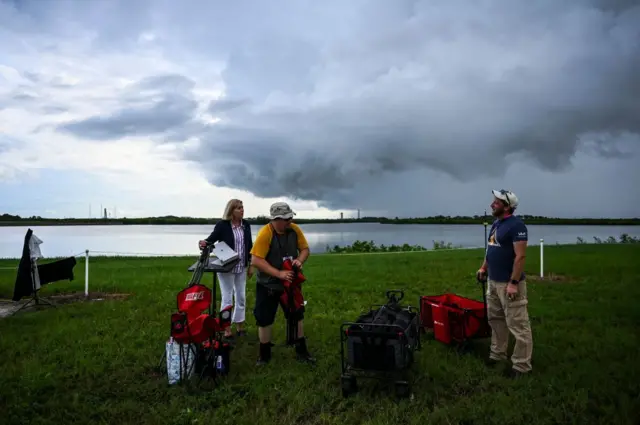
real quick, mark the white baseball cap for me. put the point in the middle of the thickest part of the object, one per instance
(507, 196)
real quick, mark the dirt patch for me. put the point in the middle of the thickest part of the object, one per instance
(8, 307)
(550, 278)
(72, 297)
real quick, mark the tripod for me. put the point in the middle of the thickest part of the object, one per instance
(292, 321)
(35, 299)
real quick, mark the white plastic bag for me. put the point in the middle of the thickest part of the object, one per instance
(174, 361)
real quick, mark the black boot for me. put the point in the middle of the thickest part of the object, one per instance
(302, 353)
(265, 354)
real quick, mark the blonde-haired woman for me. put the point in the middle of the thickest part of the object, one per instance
(235, 231)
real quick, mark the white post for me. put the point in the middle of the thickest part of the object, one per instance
(86, 273)
(541, 258)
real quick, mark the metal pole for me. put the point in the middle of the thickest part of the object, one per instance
(541, 258)
(485, 231)
(86, 273)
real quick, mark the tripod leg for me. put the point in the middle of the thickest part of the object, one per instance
(32, 300)
(45, 301)
(291, 328)
(292, 324)
(162, 360)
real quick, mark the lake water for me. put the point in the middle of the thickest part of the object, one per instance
(59, 241)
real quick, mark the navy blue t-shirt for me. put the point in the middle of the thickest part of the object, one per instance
(500, 250)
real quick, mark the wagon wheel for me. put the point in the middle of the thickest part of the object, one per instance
(428, 334)
(463, 347)
(409, 357)
(349, 385)
(403, 389)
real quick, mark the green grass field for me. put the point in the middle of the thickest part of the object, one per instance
(93, 362)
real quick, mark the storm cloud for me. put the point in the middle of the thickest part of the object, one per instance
(459, 90)
(155, 105)
(329, 102)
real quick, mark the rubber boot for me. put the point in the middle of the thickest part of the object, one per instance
(265, 354)
(302, 353)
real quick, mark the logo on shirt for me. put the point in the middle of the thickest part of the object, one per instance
(492, 239)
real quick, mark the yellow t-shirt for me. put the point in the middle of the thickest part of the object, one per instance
(263, 240)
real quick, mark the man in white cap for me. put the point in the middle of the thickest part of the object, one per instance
(506, 287)
(275, 242)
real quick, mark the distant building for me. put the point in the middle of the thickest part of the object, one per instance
(341, 216)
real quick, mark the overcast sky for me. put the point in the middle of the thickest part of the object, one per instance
(396, 107)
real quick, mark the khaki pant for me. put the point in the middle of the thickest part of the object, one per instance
(507, 316)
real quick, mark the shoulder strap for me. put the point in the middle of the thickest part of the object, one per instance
(276, 236)
(283, 245)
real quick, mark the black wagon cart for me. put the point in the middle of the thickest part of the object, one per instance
(380, 344)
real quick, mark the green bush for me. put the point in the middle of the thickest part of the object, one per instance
(370, 246)
(624, 238)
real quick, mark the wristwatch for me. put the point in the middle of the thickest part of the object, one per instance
(515, 282)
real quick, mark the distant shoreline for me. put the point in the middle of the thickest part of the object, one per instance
(11, 221)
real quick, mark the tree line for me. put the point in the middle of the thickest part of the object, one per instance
(16, 220)
(359, 246)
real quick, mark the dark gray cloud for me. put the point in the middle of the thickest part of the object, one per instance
(169, 112)
(31, 76)
(30, 99)
(53, 109)
(26, 97)
(225, 105)
(366, 103)
(155, 105)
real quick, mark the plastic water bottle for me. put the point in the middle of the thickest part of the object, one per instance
(219, 364)
(173, 362)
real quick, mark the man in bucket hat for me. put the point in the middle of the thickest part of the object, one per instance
(276, 242)
(506, 287)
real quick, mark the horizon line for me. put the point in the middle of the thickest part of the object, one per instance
(266, 217)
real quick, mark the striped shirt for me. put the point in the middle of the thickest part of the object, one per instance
(238, 236)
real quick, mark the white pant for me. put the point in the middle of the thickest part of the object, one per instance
(234, 284)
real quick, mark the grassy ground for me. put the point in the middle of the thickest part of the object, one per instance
(92, 362)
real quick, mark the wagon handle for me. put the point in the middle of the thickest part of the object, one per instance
(391, 295)
(482, 283)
